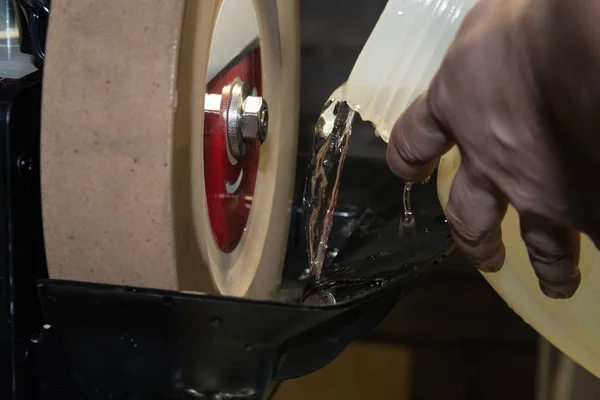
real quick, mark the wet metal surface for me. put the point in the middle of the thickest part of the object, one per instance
(365, 248)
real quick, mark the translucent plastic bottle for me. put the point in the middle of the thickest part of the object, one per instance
(396, 64)
(401, 56)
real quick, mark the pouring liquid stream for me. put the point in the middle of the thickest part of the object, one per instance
(398, 61)
(330, 145)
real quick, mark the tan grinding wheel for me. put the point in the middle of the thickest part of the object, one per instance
(572, 325)
(123, 162)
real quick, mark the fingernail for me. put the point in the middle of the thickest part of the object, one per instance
(493, 263)
(562, 290)
(552, 293)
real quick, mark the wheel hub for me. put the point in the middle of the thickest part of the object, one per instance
(235, 125)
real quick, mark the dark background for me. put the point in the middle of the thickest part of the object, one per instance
(466, 342)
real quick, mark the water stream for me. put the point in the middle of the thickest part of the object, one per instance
(330, 145)
(407, 222)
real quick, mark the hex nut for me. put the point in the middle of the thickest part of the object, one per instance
(255, 119)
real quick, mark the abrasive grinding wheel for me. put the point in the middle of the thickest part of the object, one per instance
(572, 325)
(140, 183)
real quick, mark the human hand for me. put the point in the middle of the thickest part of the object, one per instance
(520, 142)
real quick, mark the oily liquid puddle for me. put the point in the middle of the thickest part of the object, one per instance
(330, 145)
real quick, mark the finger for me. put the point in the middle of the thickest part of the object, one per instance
(416, 142)
(554, 254)
(475, 211)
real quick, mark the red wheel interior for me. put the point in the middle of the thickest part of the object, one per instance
(229, 186)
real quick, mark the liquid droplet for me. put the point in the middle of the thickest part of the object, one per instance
(426, 230)
(216, 321)
(407, 221)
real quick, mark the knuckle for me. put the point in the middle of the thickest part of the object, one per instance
(468, 233)
(553, 265)
(406, 129)
(553, 249)
(396, 158)
(406, 151)
(523, 202)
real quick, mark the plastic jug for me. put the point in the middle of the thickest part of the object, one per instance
(401, 56)
(396, 64)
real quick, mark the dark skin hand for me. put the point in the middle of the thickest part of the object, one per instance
(519, 94)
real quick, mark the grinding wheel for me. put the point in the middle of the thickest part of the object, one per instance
(126, 150)
(572, 325)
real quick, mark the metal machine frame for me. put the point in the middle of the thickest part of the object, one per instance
(73, 340)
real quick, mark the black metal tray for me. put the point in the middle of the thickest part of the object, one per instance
(72, 340)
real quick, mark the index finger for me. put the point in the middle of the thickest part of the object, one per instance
(416, 142)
